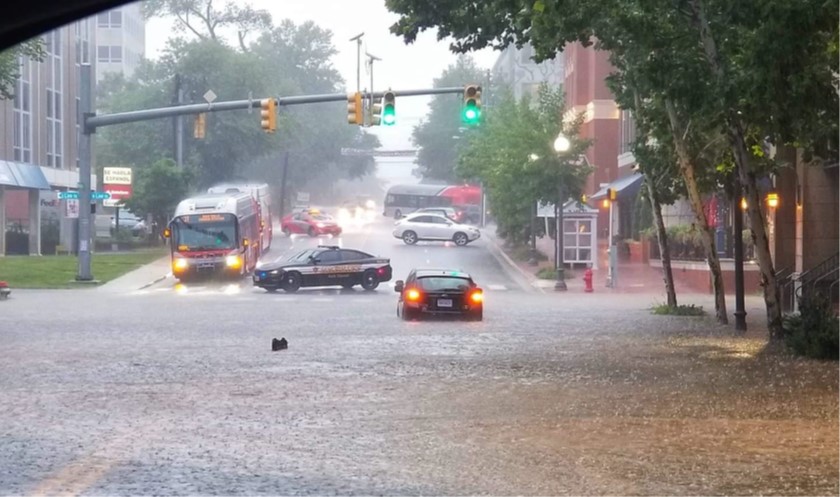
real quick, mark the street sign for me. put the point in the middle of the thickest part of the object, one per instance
(99, 195)
(71, 195)
(116, 176)
(112, 202)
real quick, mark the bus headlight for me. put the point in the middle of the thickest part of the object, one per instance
(233, 261)
(180, 264)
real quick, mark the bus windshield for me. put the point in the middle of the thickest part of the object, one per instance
(205, 232)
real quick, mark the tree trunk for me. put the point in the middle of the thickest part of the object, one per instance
(734, 129)
(688, 172)
(662, 238)
(761, 242)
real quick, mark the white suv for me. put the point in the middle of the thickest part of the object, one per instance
(421, 226)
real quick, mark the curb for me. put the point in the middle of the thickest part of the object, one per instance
(508, 263)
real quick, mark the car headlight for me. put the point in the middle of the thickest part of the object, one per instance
(180, 264)
(320, 225)
(233, 261)
(276, 271)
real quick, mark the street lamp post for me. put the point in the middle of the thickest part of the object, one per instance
(561, 146)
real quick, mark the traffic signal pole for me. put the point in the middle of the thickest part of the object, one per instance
(84, 270)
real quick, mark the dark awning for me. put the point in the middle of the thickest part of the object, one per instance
(624, 187)
(22, 176)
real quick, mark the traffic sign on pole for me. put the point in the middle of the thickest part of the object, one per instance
(69, 195)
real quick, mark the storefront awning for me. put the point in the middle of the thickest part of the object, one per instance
(22, 176)
(625, 187)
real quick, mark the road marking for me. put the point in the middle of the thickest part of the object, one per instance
(497, 287)
(323, 299)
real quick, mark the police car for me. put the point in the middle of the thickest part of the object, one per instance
(323, 266)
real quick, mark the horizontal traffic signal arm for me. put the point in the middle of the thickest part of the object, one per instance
(93, 121)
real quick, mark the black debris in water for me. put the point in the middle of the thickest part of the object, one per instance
(281, 344)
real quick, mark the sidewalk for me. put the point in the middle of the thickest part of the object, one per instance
(141, 277)
(631, 277)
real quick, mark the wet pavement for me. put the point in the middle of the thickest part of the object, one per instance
(174, 390)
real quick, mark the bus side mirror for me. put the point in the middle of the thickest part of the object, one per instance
(167, 233)
(398, 286)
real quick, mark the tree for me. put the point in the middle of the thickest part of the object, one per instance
(157, 190)
(512, 153)
(10, 64)
(739, 65)
(438, 152)
(205, 21)
(287, 60)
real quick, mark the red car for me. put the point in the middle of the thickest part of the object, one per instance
(309, 222)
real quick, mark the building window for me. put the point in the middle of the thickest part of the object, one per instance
(54, 89)
(578, 243)
(23, 113)
(111, 19)
(628, 131)
(109, 54)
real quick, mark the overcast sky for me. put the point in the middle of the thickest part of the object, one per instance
(402, 66)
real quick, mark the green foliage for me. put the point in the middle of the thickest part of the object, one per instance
(438, 150)
(680, 310)
(10, 65)
(158, 189)
(288, 59)
(547, 273)
(814, 331)
(512, 154)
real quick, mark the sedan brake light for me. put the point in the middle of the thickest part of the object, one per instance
(412, 294)
(477, 297)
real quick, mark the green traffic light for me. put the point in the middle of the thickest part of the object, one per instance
(471, 114)
(388, 115)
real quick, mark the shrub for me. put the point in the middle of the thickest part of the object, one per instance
(680, 310)
(547, 273)
(813, 331)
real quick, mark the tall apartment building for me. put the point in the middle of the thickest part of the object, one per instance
(39, 152)
(120, 40)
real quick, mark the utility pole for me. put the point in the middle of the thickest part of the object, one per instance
(85, 104)
(358, 40)
(179, 124)
(371, 59)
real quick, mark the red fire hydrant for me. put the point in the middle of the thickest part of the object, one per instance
(587, 279)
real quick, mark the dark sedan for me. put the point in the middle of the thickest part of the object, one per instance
(324, 266)
(439, 292)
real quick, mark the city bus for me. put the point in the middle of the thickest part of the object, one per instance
(213, 234)
(402, 200)
(262, 195)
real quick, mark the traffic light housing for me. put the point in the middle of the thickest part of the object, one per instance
(471, 113)
(268, 115)
(389, 116)
(611, 194)
(354, 108)
(376, 111)
(200, 126)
